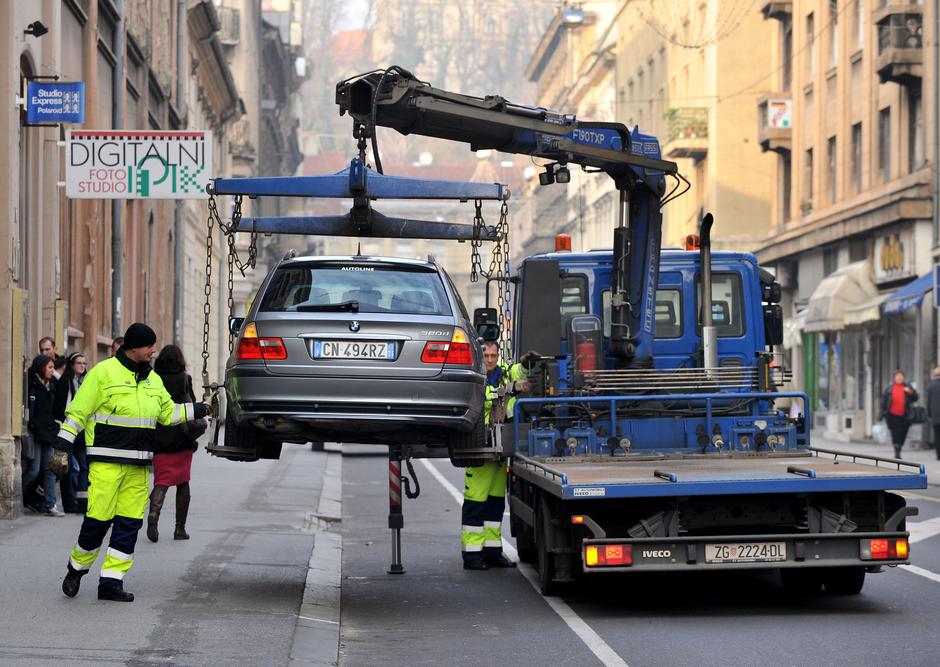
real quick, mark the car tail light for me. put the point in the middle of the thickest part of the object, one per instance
(456, 351)
(601, 555)
(252, 347)
(884, 549)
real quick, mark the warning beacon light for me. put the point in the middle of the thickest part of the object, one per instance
(563, 243)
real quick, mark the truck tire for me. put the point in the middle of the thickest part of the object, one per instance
(801, 581)
(241, 437)
(316, 446)
(473, 439)
(546, 559)
(525, 541)
(847, 580)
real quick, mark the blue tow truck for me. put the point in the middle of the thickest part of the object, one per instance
(656, 434)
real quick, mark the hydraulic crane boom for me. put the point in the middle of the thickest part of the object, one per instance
(396, 99)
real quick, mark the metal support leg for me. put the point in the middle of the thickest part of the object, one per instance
(396, 520)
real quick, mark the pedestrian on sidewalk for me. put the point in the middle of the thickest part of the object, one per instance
(896, 402)
(173, 460)
(75, 484)
(933, 407)
(43, 428)
(118, 407)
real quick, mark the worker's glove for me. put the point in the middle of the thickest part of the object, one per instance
(529, 359)
(201, 410)
(522, 386)
(61, 444)
(59, 464)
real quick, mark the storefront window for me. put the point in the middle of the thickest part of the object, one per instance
(853, 364)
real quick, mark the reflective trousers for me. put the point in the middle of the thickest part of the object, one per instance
(484, 500)
(117, 499)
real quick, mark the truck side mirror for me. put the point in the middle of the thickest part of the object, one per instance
(486, 323)
(235, 324)
(773, 325)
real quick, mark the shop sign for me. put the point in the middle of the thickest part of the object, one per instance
(49, 102)
(779, 114)
(131, 164)
(894, 255)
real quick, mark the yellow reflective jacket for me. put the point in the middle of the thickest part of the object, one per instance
(119, 414)
(502, 375)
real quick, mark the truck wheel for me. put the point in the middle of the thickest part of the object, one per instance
(525, 542)
(270, 449)
(844, 580)
(474, 439)
(801, 581)
(241, 437)
(316, 446)
(546, 559)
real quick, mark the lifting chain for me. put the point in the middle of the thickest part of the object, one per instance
(207, 306)
(499, 268)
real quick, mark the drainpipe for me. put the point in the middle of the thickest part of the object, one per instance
(178, 209)
(117, 205)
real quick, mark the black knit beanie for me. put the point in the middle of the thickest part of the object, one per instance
(139, 335)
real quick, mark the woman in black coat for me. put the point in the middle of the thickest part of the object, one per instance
(44, 429)
(75, 484)
(896, 402)
(173, 459)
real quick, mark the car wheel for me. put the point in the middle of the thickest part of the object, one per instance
(844, 580)
(241, 440)
(474, 439)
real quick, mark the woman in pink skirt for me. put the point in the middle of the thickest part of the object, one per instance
(175, 445)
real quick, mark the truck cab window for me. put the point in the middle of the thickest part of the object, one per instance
(727, 304)
(574, 300)
(668, 318)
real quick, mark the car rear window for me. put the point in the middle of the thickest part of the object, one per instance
(377, 288)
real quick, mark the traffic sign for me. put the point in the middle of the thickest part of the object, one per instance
(54, 102)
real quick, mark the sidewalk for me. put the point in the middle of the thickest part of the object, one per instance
(927, 457)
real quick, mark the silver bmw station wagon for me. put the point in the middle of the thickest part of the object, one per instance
(355, 349)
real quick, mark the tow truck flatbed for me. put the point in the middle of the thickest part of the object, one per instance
(646, 475)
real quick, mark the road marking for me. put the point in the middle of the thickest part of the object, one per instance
(927, 574)
(585, 632)
(318, 620)
(923, 530)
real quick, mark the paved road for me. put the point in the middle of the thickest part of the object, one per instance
(228, 596)
(438, 614)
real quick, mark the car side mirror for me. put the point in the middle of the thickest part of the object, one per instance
(773, 325)
(235, 324)
(486, 323)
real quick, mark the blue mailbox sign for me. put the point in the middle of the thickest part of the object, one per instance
(54, 102)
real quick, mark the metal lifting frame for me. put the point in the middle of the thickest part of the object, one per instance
(363, 185)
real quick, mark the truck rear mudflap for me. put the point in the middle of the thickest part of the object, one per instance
(741, 552)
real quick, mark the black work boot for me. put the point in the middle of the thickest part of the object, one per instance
(114, 593)
(182, 511)
(475, 564)
(500, 561)
(157, 496)
(72, 581)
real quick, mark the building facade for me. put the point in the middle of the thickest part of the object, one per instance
(852, 215)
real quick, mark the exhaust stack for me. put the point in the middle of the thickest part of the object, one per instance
(709, 333)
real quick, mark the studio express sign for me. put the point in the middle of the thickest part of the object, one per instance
(131, 164)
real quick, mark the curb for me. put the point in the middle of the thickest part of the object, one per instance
(316, 634)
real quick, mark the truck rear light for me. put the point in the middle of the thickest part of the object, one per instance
(601, 555)
(252, 347)
(884, 549)
(456, 351)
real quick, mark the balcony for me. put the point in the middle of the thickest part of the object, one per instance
(900, 43)
(686, 132)
(775, 122)
(777, 10)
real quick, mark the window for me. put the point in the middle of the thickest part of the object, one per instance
(830, 260)
(376, 288)
(833, 33)
(831, 176)
(857, 157)
(884, 143)
(808, 181)
(785, 187)
(810, 46)
(668, 318)
(727, 304)
(787, 52)
(915, 131)
(574, 300)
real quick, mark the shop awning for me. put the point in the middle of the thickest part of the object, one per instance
(870, 311)
(793, 330)
(849, 287)
(908, 296)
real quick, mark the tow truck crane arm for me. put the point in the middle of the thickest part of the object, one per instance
(396, 99)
